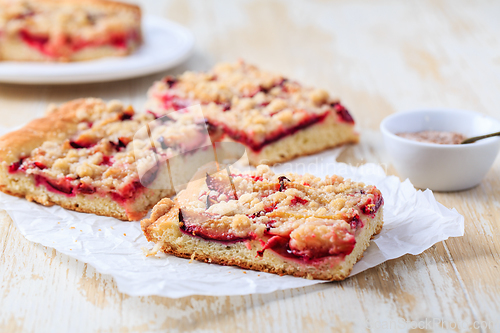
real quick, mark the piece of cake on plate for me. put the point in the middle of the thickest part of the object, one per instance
(275, 118)
(103, 158)
(67, 30)
(279, 223)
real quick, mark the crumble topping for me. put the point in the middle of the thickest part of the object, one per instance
(315, 217)
(103, 155)
(249, 104)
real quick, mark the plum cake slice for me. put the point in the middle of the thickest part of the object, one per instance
(279, 223)
(275, 118)
(86, 155)
(67, 30)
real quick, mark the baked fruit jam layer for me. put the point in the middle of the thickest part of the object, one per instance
(103, 154)
(66, 45)
(249, 106)
(303, 218)
(57, 29)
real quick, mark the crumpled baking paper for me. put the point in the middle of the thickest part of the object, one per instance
(413, 222)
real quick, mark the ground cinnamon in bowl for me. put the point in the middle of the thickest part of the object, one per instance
(438, 137)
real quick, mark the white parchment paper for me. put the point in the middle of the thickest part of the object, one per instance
(413, 222)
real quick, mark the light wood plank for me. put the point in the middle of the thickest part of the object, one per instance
(379, 58)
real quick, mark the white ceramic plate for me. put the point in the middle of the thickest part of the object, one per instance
(166, 44)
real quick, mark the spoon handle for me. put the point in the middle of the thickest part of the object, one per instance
(475, 138)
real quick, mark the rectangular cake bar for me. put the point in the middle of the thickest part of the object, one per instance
(102, 158)
(279, 223)
(275, 118)
(67, 30)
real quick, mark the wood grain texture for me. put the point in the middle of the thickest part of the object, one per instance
(379, 57)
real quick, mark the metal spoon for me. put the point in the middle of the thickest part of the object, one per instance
(476, 138)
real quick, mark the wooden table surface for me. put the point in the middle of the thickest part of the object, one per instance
(379, 57)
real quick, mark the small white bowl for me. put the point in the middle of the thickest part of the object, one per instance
(441, 167)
